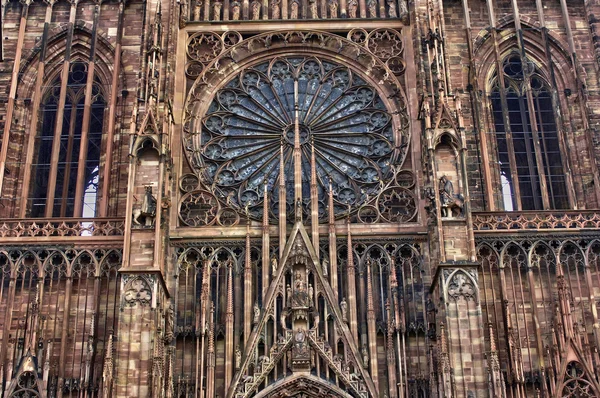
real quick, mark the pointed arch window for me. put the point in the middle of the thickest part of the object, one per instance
(67, 161)
(530, 162)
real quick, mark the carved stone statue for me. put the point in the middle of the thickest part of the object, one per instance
(217, 5)
(325, 266)
(352, 7)
(314, 14)
(275, 9)
(392, 13)
(310, 294)
(300, 343)
(197, 9)
(273, 265)
(333, 8)
(256, 313)
(372, 5)
(298, 209)
(235, 10)
(255, 10)
(294, 9)
(300, 296)
(289, 295)
(238, 357)
(365, 356)
(147, 209)
(183, 16)
(344, 308)
(169, 323)
(450, 204)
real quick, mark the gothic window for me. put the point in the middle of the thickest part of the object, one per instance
(67, 160)
(269, 109)
(535, 173)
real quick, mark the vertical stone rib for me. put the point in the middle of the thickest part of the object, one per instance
(314, 201)
(282, 202)
(85, 125)
(372, 328)
(247, 286)
(35, 113)
(229, 329)
(333, 279)
(210, 373)
(63, 336)
(266, 243)
(64, 79)
(352, 288)
(297, 150)
(10, 106)
(112, 119)
(391, 356)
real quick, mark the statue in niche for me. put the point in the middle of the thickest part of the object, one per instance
(294, 9)
(147, 210)
(333, 8)
(403, 8)
(169, 323)
(300, 348)
(197, 9)
(365, 356)
(273, 264)
(289, 295)
(325, 266)
(298, 209)
(352, 8)
(392, 13)
(451, 205)
(183, 13)
(235, 10)
(238, 357)
(344, 308)
(217, 5)
(256, 314)
(300, 296)
(314, 14)
(372, 5)
(275, 9)
(311, 293)
(255, 10)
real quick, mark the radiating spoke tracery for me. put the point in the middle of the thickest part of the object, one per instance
(266, 106)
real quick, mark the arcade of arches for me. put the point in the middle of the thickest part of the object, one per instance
(299, 198)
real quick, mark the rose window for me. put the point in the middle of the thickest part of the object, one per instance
(265, 109)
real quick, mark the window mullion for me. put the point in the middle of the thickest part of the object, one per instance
(536, 144)
(69, 158)
(544, 148)
(509, 142)
(529, 151)
(85, 127)
(83, 150)
(60, 115)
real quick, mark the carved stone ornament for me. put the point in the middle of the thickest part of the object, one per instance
(137, 291)
(451, 204)
(461, 286)
(144, 214)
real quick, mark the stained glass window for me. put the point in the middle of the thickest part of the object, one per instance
(260, 111)
(520, 136)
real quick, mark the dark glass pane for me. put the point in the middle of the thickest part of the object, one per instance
(69, 148)
(548, 134)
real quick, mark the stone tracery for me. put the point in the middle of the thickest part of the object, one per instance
(253, 117)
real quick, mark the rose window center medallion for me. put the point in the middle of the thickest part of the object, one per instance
(254, 121)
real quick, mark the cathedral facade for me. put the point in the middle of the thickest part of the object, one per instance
(300, 198)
